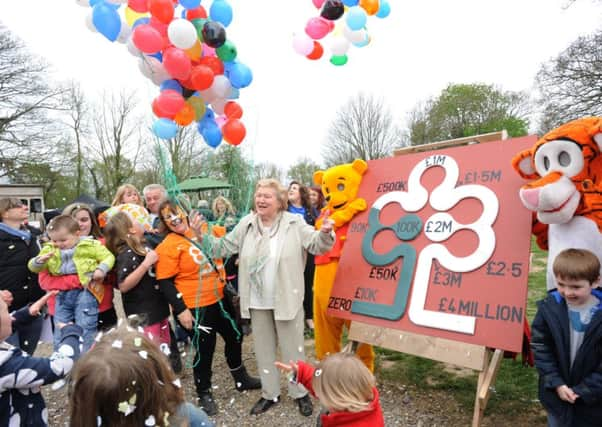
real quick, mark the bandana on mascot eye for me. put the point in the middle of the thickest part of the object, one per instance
(173, 215)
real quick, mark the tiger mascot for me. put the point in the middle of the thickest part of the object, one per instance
(565, 167)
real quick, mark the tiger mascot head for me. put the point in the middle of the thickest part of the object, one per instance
(565, 167)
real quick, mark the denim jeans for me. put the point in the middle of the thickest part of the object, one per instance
(81, 307)
(195, 416)
(27, 337)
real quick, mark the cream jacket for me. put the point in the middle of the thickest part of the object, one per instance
(295, 239)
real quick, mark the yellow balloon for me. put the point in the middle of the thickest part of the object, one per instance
(194, 52)
(197, 103)
(132, 16)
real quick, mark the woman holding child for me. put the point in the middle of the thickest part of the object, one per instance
(272, 245)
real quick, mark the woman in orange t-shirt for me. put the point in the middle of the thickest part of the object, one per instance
(196, 301)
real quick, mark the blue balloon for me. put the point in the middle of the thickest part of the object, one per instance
(384, 9)
(356, 18)
(208, 116)
(212, 135)
(234, 93)
(239, 74)
(221, 11)
(190, 4)
(351, 3)
(140, 21)
(157, 55)
(171, 85)
(95, 2)
(165, 128)
(106, 20)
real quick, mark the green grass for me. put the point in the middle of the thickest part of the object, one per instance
(515, 389)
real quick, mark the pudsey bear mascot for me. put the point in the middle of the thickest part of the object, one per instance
(339, 185)
(565, 169)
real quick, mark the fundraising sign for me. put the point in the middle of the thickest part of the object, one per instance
(443, 248)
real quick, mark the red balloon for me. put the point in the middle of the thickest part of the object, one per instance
(159, 112)
(176, 63)
(201, 77)
(139, 6)
(162, 10)
(234, 131)
(316, 53)
(147, 39)
(214, 63)
(233, 110)
(198, 13)
(159, 26)
(170, 101)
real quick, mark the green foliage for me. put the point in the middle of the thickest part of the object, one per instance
(468, 109)
(303, 171)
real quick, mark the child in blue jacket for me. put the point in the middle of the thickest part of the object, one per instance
(21, 376)
(567, 342)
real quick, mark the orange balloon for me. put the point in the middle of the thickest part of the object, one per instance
(185, 116)
(370, 6)
(233, 110)
(317, 52)
(194, 53)
(234, 131)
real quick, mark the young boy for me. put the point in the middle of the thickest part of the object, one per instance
(21, 402)
(567, 342)
(68, 254)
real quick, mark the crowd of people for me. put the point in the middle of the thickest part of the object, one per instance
(175, 269)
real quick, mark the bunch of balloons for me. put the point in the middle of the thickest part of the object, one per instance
(346, 21)
(185, 51)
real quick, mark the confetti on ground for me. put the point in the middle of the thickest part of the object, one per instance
(58, 384)
(143, 354)
(150, 421)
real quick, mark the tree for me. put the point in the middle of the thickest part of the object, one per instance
(117, 143)
(570, 84)
(468, 109)
(303, 171)
(363, 129)
(26, 98)
(78, 122)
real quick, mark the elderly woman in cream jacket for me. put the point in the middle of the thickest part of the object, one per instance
(272, 245)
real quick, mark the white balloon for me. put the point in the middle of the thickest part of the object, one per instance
(339, 46)
(89, 22)
(354, 36)
(124, 32)
(182, 34)
(208, 95)
(218, 105)
(83, 3)
(221, 86)
(152, 69)
(117, 1)
(303, 44)
(132, 47)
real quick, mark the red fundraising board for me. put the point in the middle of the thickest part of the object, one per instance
(443, 247)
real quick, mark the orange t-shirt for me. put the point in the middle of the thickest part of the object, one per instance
(195, 277)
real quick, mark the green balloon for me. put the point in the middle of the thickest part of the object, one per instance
(198, 25)
(338, 60)
(227, 51)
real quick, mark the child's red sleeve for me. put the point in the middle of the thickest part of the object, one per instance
(305, 375)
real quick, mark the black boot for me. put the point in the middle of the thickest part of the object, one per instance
(243, 380)
(207, 403)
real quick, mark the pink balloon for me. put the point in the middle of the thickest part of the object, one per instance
(170, 101)
(317, 28)
(318, 3)
(159, 26)
(177, 63)
(302, 44)
(221, 120)
(208, 50)
(139, 6)
(147, 39)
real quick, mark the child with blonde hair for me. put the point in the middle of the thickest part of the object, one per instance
(140, 290)
(126, 381)
(344, 387)
(127, 193)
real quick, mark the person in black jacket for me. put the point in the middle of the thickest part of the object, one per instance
(567, 342)
(18, 244)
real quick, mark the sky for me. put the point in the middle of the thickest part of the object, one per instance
(420, 48)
